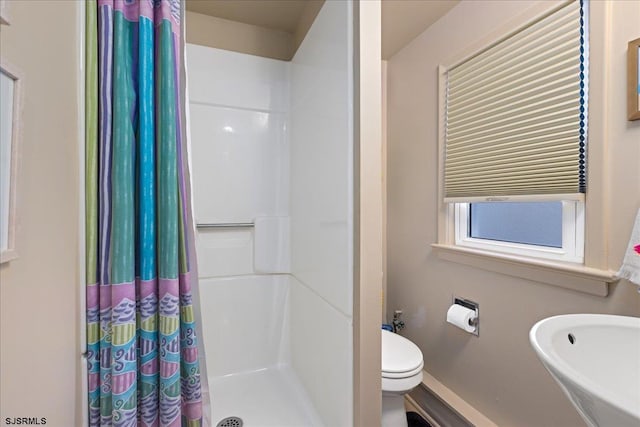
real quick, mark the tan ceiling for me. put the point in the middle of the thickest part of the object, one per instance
(402, 20)
(274, 14)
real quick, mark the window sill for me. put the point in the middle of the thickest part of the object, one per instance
(575, 277)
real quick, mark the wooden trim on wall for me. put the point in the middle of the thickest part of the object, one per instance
(367, 127)
(5, 18)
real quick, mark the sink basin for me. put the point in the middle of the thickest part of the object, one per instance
(596, 360)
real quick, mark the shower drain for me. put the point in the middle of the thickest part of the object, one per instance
(230, 422)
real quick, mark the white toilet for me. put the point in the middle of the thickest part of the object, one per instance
(401, 372)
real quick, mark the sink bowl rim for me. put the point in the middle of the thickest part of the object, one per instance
(557, 366)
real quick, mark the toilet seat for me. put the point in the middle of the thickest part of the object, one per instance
(400, 357)
(407, 374)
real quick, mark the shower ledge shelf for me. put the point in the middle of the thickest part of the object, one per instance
(575, 277)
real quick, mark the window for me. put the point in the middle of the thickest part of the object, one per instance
(515, 134)
(549, 230)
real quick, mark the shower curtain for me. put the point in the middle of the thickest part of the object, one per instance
(142, 350)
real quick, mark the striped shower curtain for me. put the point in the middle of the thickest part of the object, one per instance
(142, 349)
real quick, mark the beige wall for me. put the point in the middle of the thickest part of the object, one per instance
(498, 373)
(238, 37)
(39, 347)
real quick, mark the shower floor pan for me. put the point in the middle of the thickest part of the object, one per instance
(271, 397)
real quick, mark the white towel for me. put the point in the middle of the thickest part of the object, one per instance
(630, 269)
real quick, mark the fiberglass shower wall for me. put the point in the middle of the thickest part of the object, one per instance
(238, 114)
(272, 144)
(321, 138)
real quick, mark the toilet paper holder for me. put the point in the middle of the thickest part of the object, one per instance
(471, 305)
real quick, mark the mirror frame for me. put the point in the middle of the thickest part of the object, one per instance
(9, 253)
(633, 80)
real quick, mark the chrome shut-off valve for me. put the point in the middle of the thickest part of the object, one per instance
(398, 323)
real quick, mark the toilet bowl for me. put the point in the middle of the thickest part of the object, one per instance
(401, 372)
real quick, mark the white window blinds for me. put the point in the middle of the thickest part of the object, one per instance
(516, 114)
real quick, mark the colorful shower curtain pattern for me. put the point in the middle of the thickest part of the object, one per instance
(142, 347)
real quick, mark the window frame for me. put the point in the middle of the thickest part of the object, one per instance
(594, 276)
(572, 249)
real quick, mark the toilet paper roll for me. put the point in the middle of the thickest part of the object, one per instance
(462, 317)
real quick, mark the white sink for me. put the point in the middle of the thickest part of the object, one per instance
(596, 360)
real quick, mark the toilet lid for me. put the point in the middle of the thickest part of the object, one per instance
(399, 355)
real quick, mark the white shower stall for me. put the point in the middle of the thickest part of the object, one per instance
(272, 172)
